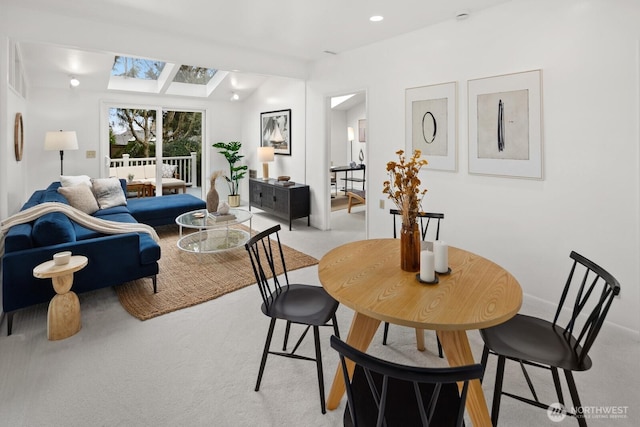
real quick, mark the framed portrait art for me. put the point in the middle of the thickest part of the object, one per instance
(275, 131)
(431, 124)
(505, 125)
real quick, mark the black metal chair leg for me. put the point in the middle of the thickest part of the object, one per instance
(484, 360)
(386, 332)
(286, 336)
(575, 398)
(9, 323)
(335, 326)
(265, 352)
(316, 336)
(154, 279)
(556, 382)
(439, 348)
(497, 391)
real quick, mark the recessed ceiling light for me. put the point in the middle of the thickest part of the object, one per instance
(376, 18)
(234, 96)
(74, 82)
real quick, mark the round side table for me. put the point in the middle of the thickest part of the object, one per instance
(63, 319)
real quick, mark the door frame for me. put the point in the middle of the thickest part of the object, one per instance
(327, 165)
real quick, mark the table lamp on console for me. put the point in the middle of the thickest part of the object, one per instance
(265, 156)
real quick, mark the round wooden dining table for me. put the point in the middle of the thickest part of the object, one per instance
(365, 276)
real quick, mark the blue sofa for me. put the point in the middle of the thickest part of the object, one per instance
(113, 259)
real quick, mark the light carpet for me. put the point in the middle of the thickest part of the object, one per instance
(187, 279)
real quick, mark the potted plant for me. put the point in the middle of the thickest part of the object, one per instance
(230, 151)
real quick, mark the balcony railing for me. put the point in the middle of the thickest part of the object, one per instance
(186, 165)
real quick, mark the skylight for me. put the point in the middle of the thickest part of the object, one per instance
(137, 68)
(194, 75)
(130, 74)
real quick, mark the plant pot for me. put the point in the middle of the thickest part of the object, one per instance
(410, 248)
(234, 200)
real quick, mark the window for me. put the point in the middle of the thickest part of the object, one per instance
(150, 76)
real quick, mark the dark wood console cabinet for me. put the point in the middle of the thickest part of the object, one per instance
(288, 202)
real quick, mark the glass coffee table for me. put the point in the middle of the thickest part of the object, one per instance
(214, 232)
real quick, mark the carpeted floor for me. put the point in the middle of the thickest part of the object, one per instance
(187, 279)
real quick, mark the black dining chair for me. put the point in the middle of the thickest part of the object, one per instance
(558, 345)
(295, 303)
(425, 219)
(381, 392)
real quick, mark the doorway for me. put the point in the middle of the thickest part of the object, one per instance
(346, 140)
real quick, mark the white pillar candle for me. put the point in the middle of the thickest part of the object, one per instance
(427, 273)
(441, 253)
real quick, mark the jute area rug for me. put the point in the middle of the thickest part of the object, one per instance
(187, 279)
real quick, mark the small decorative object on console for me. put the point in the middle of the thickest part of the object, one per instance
(62, 258)
(284, 178)
(223, 208)
(220, 217)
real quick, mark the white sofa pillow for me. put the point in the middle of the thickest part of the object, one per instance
(80, 197)
(108, 192)
(168, 171)
(70, 180)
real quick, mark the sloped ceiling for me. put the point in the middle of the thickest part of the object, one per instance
(275, 37)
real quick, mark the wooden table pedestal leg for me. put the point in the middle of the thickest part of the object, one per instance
(420, 339)
(458, 353)
(63, 318)
(363, 328)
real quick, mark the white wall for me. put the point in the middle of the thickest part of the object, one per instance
(588, 200)
(274, 95)
(13, 173)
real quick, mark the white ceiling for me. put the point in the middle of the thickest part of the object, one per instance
(298, 30)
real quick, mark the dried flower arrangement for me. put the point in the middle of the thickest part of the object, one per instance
(403, 187)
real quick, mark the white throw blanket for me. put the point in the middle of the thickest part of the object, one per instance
(85, 220)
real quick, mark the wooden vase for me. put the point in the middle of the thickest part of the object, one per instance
(213, 199)
(410, 247)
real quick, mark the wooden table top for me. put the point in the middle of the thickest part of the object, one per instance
(366, 277)
(49, 269)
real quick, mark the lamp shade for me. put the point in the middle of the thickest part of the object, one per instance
(61, 140)
(350, 136)
(265, 154)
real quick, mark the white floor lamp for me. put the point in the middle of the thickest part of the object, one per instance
(61, 140)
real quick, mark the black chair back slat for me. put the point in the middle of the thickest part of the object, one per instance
(263, 249)
(587, 326)
(585, 299)
(424, 218)
(299, 303)
(427, 385)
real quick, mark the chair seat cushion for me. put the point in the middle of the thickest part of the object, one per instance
(307, 304)
(402, 407)
(533, 339)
